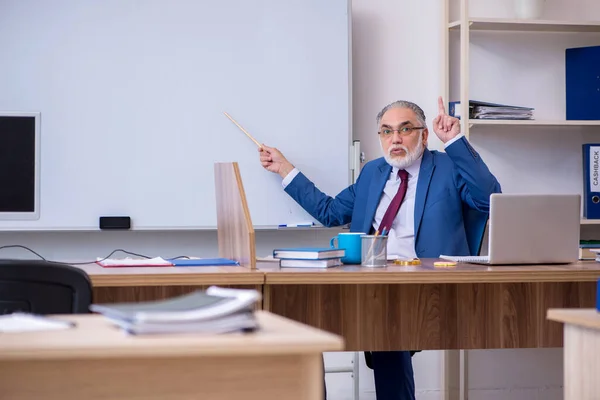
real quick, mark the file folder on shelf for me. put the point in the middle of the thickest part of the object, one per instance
(485, 110)
(591, 180)
(582, 80)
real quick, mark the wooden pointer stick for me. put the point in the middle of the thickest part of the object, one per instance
(242, 129)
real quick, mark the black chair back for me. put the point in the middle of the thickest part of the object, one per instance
(43, 287)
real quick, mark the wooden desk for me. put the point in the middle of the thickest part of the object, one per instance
(96, 360)
(427, 308)
(154, 283)
(581, 352)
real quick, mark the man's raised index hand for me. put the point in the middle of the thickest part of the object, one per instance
(441, 107)
(445, 126)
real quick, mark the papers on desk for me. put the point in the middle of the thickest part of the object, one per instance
(23, 322)
(216, 310)
(161, 262)
(134, 262)
(596, 252)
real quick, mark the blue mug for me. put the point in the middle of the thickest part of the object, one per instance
(351, 242)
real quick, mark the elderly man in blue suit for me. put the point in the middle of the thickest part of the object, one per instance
(416, 195)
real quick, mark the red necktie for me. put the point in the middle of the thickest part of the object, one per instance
(390, 214)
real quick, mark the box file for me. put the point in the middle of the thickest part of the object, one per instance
(591, 180)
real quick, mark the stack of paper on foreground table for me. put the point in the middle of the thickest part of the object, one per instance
(216, 310)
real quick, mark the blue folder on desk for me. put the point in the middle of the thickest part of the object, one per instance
(203, 262)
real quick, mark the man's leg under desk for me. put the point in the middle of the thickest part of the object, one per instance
(394, 378)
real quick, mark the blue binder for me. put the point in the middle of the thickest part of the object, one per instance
(591, 180)
(582, 68)
(598, 296)
(203, 262)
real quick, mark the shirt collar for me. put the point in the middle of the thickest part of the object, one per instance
(412, 169)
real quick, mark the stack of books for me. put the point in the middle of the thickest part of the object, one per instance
(216, 310)
(309, 257)
(588, 249)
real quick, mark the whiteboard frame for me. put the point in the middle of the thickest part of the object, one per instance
(35, 214)
(48, 222)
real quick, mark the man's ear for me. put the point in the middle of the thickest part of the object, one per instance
(425, 136)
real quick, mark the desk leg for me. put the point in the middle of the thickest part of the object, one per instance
(581, 363)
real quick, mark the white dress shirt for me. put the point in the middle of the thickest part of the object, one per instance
(402, 232)
(401, 238)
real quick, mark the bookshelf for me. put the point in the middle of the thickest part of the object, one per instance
(585, 221)
(458, 75)
(489, 55)
(518, 25)
(541, 122)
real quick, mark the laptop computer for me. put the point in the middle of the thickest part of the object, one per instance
(531, 229)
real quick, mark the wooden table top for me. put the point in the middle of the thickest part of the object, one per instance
(171, 276)
(427, 273)
(271, 273)
(586, 317)
(94, 336)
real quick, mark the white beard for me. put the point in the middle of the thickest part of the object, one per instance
(402, 162)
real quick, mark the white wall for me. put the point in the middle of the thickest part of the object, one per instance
(396, 54)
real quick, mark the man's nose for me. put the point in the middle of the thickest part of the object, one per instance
(396, 137)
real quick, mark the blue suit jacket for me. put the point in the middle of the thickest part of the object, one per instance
(448, 182)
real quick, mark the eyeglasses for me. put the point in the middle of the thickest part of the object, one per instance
(404, 131)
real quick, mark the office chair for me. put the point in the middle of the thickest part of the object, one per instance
(43, 287)
(475, 225)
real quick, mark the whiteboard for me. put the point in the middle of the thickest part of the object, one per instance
(132, 95)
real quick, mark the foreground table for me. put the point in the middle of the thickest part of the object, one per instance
(581, 352)
(96, 360)
(408, 308)
(155, 283)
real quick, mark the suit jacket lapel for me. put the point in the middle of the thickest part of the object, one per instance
(375, 190)
(425, 174)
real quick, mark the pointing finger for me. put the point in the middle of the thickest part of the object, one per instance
(441, 108)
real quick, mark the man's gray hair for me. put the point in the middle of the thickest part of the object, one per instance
(404, 104)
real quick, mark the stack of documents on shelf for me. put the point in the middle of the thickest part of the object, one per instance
(309, 257)
(484, 110)
(216, 310)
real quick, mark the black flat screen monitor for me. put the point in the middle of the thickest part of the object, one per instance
(19, 165)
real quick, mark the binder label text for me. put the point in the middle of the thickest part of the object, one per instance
(594, 168)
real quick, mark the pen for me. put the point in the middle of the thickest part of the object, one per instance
(308, 225)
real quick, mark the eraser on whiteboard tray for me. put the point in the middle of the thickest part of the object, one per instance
(113, 223)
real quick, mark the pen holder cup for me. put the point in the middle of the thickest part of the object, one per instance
(374, 251)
